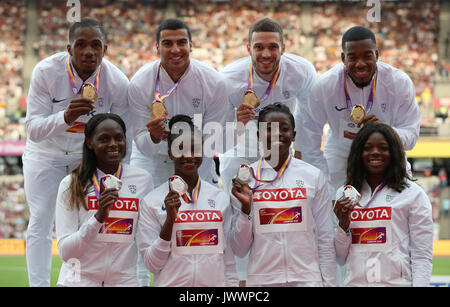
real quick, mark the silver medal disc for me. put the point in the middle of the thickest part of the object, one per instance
(178, 185)
(244, 174)
(109, 181)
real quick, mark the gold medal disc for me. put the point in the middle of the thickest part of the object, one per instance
(357, 114)
(89, 92)
(251, 99)
(159, 110)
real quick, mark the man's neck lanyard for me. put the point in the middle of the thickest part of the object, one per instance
(73, 84)
(371, 95)
(162, 97)
(269, 87)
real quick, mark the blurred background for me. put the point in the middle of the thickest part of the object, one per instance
(412, 36)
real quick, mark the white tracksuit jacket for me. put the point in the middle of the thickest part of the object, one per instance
(390, 242)
(105, 257)
(295, 80)
(170, 261)
(303, 254)
(202, 91)
(394, 104)
(49, 96)
(51, 152)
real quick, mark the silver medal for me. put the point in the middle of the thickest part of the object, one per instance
(109, 181)
(178, 185)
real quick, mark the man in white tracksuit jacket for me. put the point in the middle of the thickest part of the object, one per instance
(393, 104)
(199, 90)
(54, 145)
(295, 79)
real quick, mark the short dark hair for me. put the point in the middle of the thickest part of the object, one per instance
(85, 22)
(396, 172)
(172, 24)
(265, 25)
(358, 33)
(276, 107)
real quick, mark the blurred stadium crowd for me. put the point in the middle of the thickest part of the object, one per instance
(407, 38)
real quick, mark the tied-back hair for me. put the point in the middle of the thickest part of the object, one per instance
(82, 175)
(396, 174)
(276, 107)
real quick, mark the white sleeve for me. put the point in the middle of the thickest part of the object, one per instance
(140, 110)
(421, 238)
(41, 123)
(120, 107)
(310, 118)
(342, 240)
(303, 94)
(322, 214)
(241, 239)
(407, 120)
(230, 263)
(72, 239)
(154, 251)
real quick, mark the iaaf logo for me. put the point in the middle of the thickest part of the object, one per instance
(122, 204)
(191, 216)
(380, 213)
(279, 194)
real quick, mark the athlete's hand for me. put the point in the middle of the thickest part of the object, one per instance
(371, 118)
(105, 202)
(245, 113)
(76, 108)
(342, 209)
(171, 204)
(243, 193)
(157, 130)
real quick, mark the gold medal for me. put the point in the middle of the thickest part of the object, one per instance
(251, 99)
(357, 114)
(89, 92)
(159, 110)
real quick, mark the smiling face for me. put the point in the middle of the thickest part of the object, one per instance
(279, 135)
(174, 48)
(265, 49)
(108, 143)
(87, 50)
(376, 155)
(360, 59)
(185, 152)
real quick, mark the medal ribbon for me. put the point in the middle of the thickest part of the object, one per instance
(371, 96)
(162, 98)
(279, 173)
(96, 182)
(380, 187)
(73, 84)
(195, 194)
(271, 84)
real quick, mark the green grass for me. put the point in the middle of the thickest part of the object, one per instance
(13, 270)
